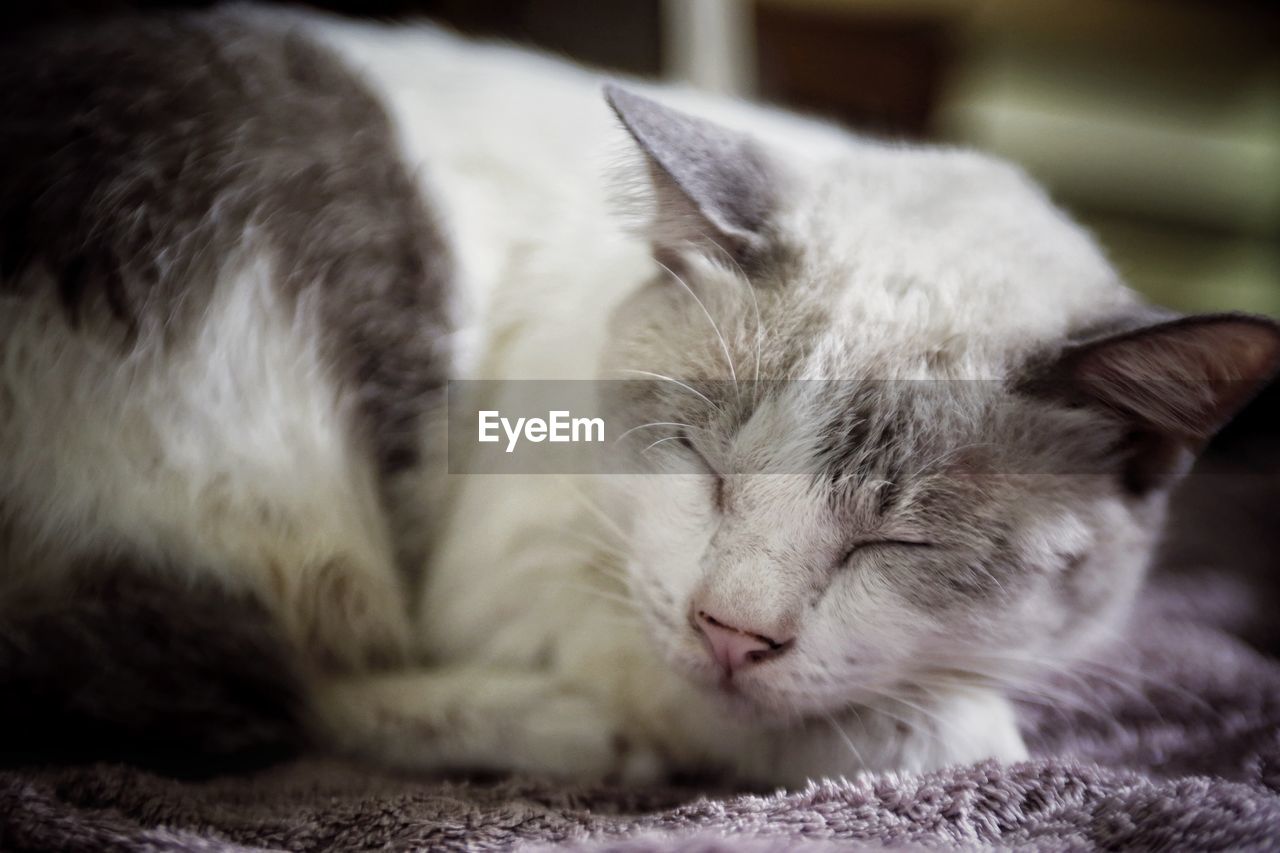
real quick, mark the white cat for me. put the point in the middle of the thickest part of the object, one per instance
(907, 438)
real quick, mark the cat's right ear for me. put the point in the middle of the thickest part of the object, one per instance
(713, 187)
(1175, 383)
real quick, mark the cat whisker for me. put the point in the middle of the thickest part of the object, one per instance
(660, 441)
(909, 723)
(848, 741)
(1081, 670)
(628, 605)
(755, 303)
(923, 711)
(609, 551)
(651, 424)
(683, 385)
(983, 570)
(595, 510)
(724, 345)
(990, 680)
(853, 709)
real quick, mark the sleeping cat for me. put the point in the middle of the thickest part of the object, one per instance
(908, 439)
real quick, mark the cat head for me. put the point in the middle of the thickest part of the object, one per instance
(905, 428)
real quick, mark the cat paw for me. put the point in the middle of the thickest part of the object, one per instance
(346, 618)
(957, 729)
(463, 719)
(570, 736)
(967, 727)
(986, 727)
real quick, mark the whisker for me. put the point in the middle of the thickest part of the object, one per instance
(724, 345)
(923, 711)
(600, 547)
(688, 388)
(660, 441)
(651, 424)
(755, 303)
(1081, 670)
(848, 741)
(595, 592)
(595, 510)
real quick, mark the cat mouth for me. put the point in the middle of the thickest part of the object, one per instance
(694, 667)
(754, 697)
(736, 699)
(745, 694)
(740, 694)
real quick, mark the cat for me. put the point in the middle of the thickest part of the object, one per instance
(908, 436)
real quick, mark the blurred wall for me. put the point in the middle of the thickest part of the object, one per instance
(1157, 123)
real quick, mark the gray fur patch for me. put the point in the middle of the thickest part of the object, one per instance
(137, 153)
(130, 663)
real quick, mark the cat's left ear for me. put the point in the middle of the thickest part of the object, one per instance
(714, 186)
(1176, 383)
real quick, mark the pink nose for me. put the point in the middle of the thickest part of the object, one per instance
(733, 648)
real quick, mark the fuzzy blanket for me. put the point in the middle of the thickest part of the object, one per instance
(1173, 743)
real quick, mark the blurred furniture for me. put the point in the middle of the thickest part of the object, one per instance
(1157, 123)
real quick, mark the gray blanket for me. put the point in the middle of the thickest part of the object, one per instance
(1172, 743)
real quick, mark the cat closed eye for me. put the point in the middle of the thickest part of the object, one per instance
(874, 544)
(718, 488)
(686, 442)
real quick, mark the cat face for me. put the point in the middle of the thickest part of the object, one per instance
(827, 542)
(903, 429)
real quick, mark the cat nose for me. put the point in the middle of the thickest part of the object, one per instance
(734, 648)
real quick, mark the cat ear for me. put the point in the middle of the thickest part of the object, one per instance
(1176, 382)
(713, 185)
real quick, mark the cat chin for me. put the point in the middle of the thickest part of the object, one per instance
(751, 701)
(770, 709)
(744, 699)
(743, 705)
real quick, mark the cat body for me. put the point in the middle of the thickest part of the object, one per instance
(234, 287)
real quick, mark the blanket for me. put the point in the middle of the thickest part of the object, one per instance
(1170, 741)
